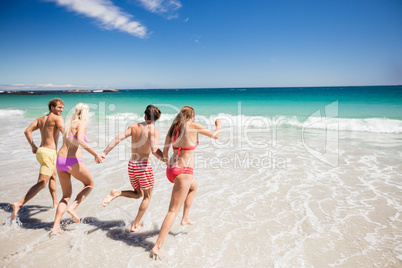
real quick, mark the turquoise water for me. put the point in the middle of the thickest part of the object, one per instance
(377, 102)
(282, 197)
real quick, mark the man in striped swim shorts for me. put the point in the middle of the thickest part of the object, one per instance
(144, 141)
(141, 175)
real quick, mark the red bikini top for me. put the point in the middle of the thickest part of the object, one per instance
(186, 148)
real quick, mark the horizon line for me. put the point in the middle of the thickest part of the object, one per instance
(78, 89)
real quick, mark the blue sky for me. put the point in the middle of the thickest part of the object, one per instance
(59, 44)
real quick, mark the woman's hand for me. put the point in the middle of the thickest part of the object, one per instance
(218, 123)
(98, 158)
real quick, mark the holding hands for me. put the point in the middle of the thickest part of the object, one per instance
(99, 158)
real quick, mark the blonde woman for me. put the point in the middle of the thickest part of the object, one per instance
(183, 136)
(69, 162)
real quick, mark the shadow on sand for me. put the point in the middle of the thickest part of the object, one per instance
(27, 213)
(114, 229)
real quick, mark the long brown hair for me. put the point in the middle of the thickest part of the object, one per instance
(186, 113)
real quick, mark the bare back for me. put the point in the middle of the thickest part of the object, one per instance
(71, 147)
(49, 130)
(188, 138)
(141, 141)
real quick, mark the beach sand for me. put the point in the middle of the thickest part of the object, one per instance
(271, 205)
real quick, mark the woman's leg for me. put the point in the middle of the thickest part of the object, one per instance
(181, 187)
(141, 210)
(188, 202)
(65, 182)
(81, 173)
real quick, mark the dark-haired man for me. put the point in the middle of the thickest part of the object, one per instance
(50, 126)
(144, 141)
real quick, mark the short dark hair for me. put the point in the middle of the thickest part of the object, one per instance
(152, 113)
(53, 103)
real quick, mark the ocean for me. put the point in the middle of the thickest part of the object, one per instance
(300, 177)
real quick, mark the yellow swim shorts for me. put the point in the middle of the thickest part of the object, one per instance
(47, 159)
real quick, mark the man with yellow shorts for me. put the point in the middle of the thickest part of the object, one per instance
(50, 126)
(47, 159)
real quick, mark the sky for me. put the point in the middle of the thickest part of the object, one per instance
(143, 44)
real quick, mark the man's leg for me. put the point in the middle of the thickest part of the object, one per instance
(138, 193)
(42, 181)
(53, 189)
(141, 210)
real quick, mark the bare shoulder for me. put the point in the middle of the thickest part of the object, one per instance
(134, 129)
(40, 121)
(82, 124)
(55, 118)
(196, 125)
(135, 126)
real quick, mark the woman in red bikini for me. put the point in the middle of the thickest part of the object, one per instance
(183, 136)
(69, 162)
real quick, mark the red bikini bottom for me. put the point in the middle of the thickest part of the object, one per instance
(173, 171)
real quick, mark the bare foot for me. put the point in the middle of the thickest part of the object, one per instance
(112, 195)
(135, 228)
(56, 231)
(73, 215)
(187, 222)
(156, 253)
(16, 208)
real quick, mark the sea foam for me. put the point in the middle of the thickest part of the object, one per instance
(374, 125)
(7, 112)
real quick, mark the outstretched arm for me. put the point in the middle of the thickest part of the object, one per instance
(124, 135)
(209, 133)
(28, 134)
(166, 147)
(82, 129)
(154, 137)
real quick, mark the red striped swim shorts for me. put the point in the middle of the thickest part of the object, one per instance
(141, 175)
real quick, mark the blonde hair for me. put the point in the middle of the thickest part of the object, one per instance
(186, 113)
(81, 112)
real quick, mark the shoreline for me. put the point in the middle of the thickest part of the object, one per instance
(201, 89)
(46, 92)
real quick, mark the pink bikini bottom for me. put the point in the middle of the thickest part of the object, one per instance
(64, 164)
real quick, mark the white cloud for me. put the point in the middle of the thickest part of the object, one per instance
(39, 87)
(197, 38)
(107, 14)
(52, 86)
(162, 7)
